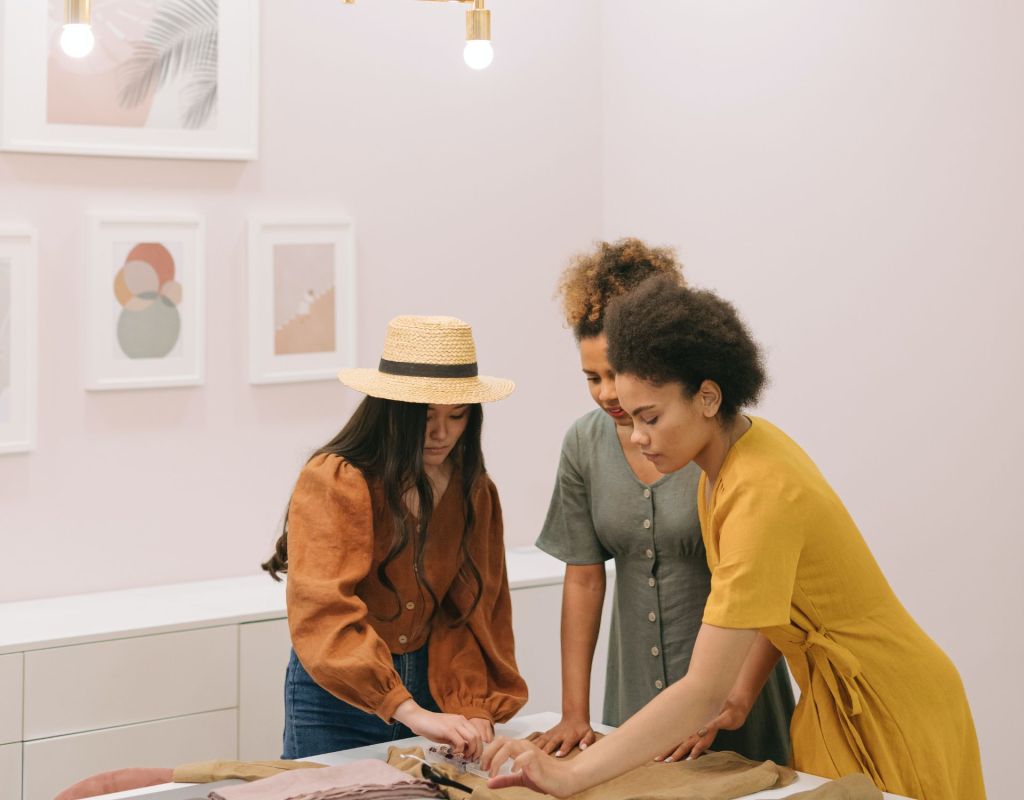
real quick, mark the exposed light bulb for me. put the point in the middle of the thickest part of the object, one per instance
(478, 54)
(77, 40)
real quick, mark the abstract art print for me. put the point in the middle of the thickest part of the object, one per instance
(301, 297)
(17, 339)
(166, 78)
(145, 278)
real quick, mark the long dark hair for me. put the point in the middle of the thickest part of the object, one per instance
(384, 440)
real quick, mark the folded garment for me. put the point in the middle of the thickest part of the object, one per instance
(210, 771)
(850, 787)
(360, 780)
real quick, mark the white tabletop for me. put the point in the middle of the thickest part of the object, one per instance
(518, 727)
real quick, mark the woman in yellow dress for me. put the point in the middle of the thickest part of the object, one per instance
(791, 576)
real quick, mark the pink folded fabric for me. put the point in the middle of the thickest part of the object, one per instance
(361, 780)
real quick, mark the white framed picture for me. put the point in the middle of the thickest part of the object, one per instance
(302, 306)
(165, 79)
(17, 339)
(144, 300)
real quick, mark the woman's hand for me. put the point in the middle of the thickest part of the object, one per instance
(484, 727)
(531, 767)
(733, 715)
(462, 734)
(569, 732)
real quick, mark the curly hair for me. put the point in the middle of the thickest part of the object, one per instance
(594, 278)
(662, 332)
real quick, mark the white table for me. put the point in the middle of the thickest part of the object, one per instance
(520, 726)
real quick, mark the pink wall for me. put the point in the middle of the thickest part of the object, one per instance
(849, 174)
(468, 190)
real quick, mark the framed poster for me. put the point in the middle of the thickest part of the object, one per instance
(17, 339)
(144, 301)
(166, 79)
(302, 311)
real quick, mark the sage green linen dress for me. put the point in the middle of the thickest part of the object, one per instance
(601, 510)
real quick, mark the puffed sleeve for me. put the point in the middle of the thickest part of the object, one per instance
(480, 677)
(760, 537)
(330, 550)
(568, 533)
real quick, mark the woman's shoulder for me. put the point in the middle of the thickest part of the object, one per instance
(767, 458)
(330, 469)
(588, 433)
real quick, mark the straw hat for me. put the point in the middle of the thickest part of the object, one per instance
(428, 360)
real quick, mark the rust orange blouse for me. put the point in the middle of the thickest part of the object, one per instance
(345, 623)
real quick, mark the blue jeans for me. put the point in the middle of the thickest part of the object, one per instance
(315, 721)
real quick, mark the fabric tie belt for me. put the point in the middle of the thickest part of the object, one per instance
(839, 669)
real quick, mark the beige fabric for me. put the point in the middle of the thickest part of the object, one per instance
(367, 779)
(851, 787)
(210, 771)
(716, 776)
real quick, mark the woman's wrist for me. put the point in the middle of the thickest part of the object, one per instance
(406, 711)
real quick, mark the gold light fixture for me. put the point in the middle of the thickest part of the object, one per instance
(76, 38)
(478, 53)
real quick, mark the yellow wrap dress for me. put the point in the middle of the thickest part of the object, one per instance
(878, 696)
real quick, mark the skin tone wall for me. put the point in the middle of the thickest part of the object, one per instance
(463, 205)
(848, 174)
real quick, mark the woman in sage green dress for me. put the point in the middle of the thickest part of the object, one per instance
(610, 502)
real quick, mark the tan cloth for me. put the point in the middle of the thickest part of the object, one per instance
(715, 776)
(851, 787)
(367, 779)
(342, 618)
(210, 771)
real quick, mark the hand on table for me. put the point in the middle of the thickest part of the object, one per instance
(732, 716)
(531, 767)
(567, 734)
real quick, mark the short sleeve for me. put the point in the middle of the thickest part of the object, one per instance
(759, 540)
(568, 533)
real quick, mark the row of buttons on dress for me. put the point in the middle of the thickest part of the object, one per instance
(652, 582)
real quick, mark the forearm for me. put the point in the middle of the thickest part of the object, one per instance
(756, 670)
(582, 598)
(678, 711)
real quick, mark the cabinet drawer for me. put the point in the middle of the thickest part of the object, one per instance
(54, 764)
(264, 648)
(10, 771)
(120, 682)
(10, 698)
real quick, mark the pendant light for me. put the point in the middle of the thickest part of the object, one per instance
(76, 39)
(478, 53)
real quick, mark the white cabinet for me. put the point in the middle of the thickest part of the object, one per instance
(103, 684)
(54, 764)
(168, 674)
(263, 657)
(10, 771)
(10, 698)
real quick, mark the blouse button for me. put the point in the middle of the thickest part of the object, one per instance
(652, 616)
(410, 605)
(647, 523)
(658, 684)
(654, 650)
(403, 639)
(649, 553)
(651, 582)
(647, 492)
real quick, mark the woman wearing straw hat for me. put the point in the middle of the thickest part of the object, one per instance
(398, 600)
